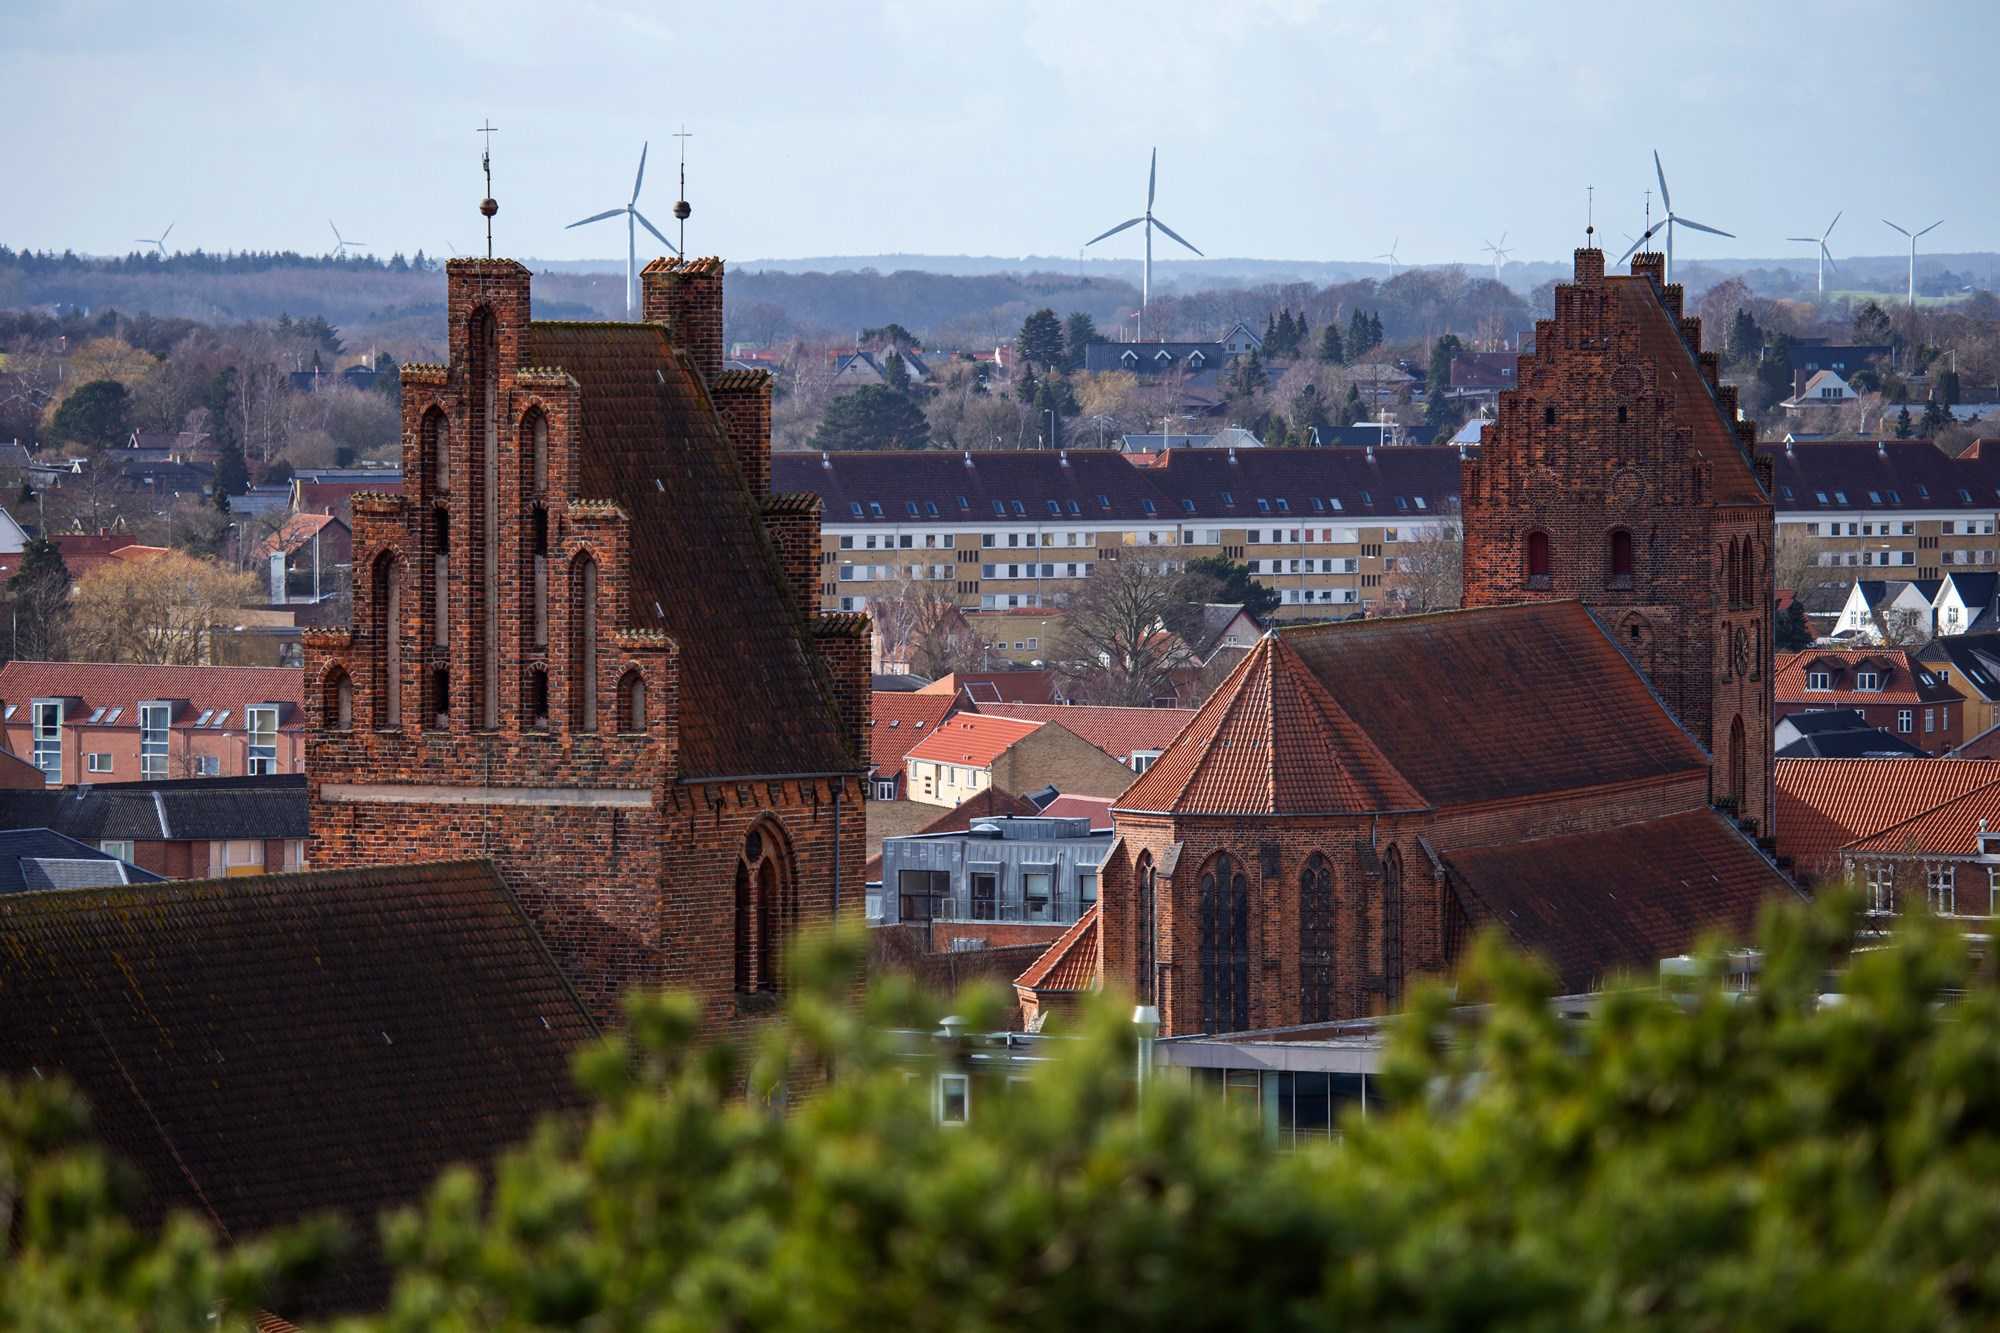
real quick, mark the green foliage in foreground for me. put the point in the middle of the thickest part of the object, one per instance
(1718, 1163)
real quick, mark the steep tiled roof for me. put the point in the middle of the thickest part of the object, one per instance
(1824, 804)
(1116, 731)
(1097, 809)
(901, 719)
(1951, 829)
(1271, 740)
(115, 684)
(752, 700)
(268, 1047)
(1974, 657)
(1906, 681)
(1842, 476)
(1500, 702)
(1070, 963)
(1622, 897)
(297, 530)
(968, 738)
(1013, 687)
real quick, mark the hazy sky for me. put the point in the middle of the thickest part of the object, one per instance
(1287, 129)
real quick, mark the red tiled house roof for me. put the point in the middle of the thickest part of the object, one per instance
(264, 1048)
(1587, 902)
(970, 738)
(1116, 731)
(1021, 687)
(112, 684)
(1825, 804)
(296, 531)
(752, 701)
(1270, 740)
(901, 719)
(1904, 680)
(1951, 829)
(1069, 963)
(1097, 809)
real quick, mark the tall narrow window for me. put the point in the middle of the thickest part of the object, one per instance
(538, 698)
(485, 514)
(48, 714)
(1316, 941)
(1738, 764)
(767, 926)
(765, 909)
(388, 636)
(441, 577)
(339, 703)
(1392, 927)
(583, 646)
(1621, 558)
(742, 951)
(1143, 953)
(155, 727)
(540, 574)
(1540, 566)
(261, 734)
(440, 699)
(538, 451)
(632, 702)
(1225, 954)
(436, 441)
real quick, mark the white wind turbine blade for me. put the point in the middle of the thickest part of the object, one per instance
(655, 230)
(168, 232)
(1933, 227)
(1804, 240)
(1644, 236)
(1831, 225)
(1827, 255)
(1176, 235)
(1666, 200)
(1696, 226)
(1115, 230)
(1887, 223)
(1152, 179)
(596, 217)
(336, 234)
(640, 179)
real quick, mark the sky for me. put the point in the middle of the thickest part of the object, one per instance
(1287, 129)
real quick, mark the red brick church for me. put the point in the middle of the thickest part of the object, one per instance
(1581, 757)
(586, 645)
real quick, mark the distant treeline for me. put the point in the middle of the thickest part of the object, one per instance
(42, 262)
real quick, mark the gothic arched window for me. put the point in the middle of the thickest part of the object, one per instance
(1317, 941)
(1738, 764)
(765, 908)
(387, 631)
(1392, 926)
(583, 643)
(1225, 946)
(1143, 930)
(1620, 558)
(434, 439)
(337, 705)
(632, 701)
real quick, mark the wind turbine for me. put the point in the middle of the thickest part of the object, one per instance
(1390, 253)
(1499, 253)
(341, 245)
(1825, 255)
(1150, 222)
(1913, 253)
(159, 243)
(634, 219)
(1670, 221)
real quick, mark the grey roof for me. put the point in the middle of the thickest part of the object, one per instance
(1146, 359)
(1976, 658)
(1881, 476)
(204, 809)
(40, 858)
(1844, 358)
(1840, 733)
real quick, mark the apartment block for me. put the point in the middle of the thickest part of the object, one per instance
(1900, 505)
(1015, 531)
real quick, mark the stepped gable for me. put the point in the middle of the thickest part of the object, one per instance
(1271, 740)
(1497, 703)
(702, 568)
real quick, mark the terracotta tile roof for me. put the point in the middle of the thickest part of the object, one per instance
(1271, 740)
(1070, 963)
(1951, 829)
(1116, 731)
(1824, 804)
(119, 684)
(267, 1047)
(296, 531)
(900, 720)
(752, 702)
(969, 738)
(1905, 680)
(1097, 809)
(1499, 702)
(1625, 897)
(1013, 687)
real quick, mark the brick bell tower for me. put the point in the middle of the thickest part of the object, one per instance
(586, 645)
(1619, 474)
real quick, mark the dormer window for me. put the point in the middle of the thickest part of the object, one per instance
(1163, 356)
(1819, 680)
(1129, 360)
(1196, 360)
(1868, 681)
(1820, 496)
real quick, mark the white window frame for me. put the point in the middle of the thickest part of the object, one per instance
(118, 847)
(46, 727)
(260, 758)
(1819, 681)
(156, 731)
(1880, 877)
(1941, 887)
(949, 1084)
(91, 762)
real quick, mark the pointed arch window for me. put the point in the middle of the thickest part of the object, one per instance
(632, 701)
(435, 439)
(1620, 558)
(387, 631)
(440, 577)
(1225, 946)
(1392, 927)
(1144, 928)
(538, 698)
(766, 909)
(583, 643)
(1317, 941)
(337, 707)
(1541, 564)
(1738, 764)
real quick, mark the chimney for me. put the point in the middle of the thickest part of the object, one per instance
(686, 296)
(1650, 264)
(743, 399)
(1589, 266)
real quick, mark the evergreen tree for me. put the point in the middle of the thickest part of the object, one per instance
(1351, 407)
(232, 471)
(1330, 349)
(1444, 351)
(895, 373)
(1746, 340)
(1903, 429)
(1025, 384)
(1948, 388)
(1357, 335)
(1793, 632)
(1375, 329)
(1301, 335)
(1041, 340)
(97, 415)
(1936, 418)
(1270, 329)
(39, 591)
(1309, 415)
(1079, 332)
(873, 416)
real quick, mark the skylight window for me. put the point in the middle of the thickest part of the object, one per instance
(1367, 499)
(856, 507)
(1055, 507)
(1000, 508)
(1334, 502)
(1785, 491)
(1841, 498)
(9, 714)
(1147, 505)
(911, 507)
(930, 507)
(1263, 505)
(1820, 496)
(1894, 498)
(1020, 509)
(1228, 500)
(115, 714)
(1076, 507)
(1402, 504)
(1319, 506)
(1964, 496)
(1421, 504)
(1104, 502)
(1187, 506)
(1284, 505)
(964, 503)
(875, 508)
(206, 714)
(97, 716)
(1874, 497)
(1923, 491)
(220, 718)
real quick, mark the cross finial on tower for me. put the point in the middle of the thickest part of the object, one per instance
(488, 206)
(1589, 217)
(681, 205)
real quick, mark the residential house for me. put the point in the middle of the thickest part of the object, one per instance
(1229, 437)
(1241, 340)
(1809, 356)
(970, 752)
(1154, 360)
(1946, 857)
(112, 722)
(1826, 804)
(1005, 880)
(1888, 686)
(310, 559)
(898, 721)
(1970, 664)
(32, 859)
(1482, 376)
(1967, 602)
(1893, 611)
(1384, 384)
(1836, 733)
(187, 828)
(1135, 737)
(1024, 637)
(904, 818)
(854, 369)
(1034, 686)
(1824, 392)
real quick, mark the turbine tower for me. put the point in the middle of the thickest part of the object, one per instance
(634, 219)
(1150, 222)
(1913, 253)
(341, 245)
(1825, 255)
(1390, 253)
(1499, 253)
(1670, 221)
(159, 243)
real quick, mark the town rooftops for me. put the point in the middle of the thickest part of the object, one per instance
(110, 686)
(1827, 476)
(1838, 733)
(1154, 358)
(900, 720)
(184, 809)
(1974, 657)
(995, 687)
(971, 739)
(1824, 804)
(261, 1049)
(1484, 371)
(1949, 829)
(41, 858)
(298, 529)
(1119, 732)
(1070, 962)
(1899, 678)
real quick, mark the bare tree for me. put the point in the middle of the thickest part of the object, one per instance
(921, 626)
(1429, 568)
(158, 610)
(1116, 647)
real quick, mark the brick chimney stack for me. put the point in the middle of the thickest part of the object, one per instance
(686, 296)
(1589, 266)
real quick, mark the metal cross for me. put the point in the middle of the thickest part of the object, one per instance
(489, 129)
(679, 211)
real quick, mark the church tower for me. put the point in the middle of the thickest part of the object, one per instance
(586, 645)
(1619, 474)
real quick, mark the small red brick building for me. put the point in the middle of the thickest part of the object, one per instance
(1889, 687)
(587, 646)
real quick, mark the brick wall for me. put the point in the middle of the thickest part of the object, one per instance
(793, 522)
(686, 296)
(1052, 754)
(743, 397)
(843, 643)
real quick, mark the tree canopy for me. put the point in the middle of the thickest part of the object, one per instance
(98, 415)
(1217, 578)
(1041, 342)
(873, 416)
